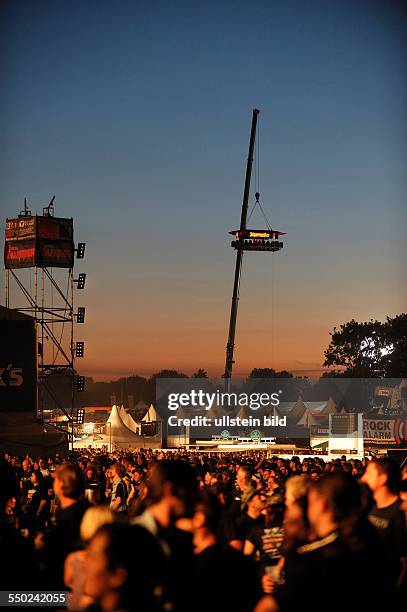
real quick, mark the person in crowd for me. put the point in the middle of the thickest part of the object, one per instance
(18, 566)
(92, 485)
(252, 516)
(244, 485)
(75, 563)
(25, 480)
(118, 579)
(340, 562)
(295, 488)
(118, 500)
(383, 478)
(36, 508)
(218, 565)
(297, 532)
(172, 493)
(264, 540)
(136, 476)
(62, 538)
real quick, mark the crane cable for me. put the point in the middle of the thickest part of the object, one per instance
(257, 202)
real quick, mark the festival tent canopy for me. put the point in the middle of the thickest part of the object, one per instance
(151, 415)
(128, 420)
(308, 419)
(329, 408)
(120, 434)
(297, 411)
(216, 412)
(243, 412)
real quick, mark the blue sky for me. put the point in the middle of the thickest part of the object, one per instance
(137, 116)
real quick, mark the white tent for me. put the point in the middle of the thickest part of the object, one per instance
(243, 412)
(216, 412)
(329, 408)
(308, 419)
(297, 411)
(117, 433)
(151, 415)
(129, 422)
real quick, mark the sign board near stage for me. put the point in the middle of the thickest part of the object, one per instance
(384, 432)
(42, 241)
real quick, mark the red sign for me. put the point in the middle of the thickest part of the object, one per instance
(19, 254)
(55, 254)
(41, 253)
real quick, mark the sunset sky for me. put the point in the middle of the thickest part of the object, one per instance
(136, 115)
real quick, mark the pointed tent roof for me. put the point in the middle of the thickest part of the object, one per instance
(216, 412)
(119, 432)
(129, 421)
(329, 408)
(297, 411)
(308, 419)
(151, 415)
(243, 412)
(269, 411)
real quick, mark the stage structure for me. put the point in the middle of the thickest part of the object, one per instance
(247, 240)
(39, 257)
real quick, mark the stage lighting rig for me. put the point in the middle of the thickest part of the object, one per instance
(79, 349)
(80, 416)
(80, 250)
(80, 384)
(80, 281)
(80, 315)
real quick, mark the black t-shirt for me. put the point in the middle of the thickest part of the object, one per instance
(245, 524)
(227, 528)
(25, 485)
(224, 580)
(18, 564)
(390, 523)
(176, 567)
(267, 541)
(35, 495)
(328, 572)
(60, 540)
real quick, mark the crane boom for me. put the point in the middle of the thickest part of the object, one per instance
(239, 254)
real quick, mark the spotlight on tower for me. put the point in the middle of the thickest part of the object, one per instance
(80, 384)
(80, 281)
(80, 315)
(80, 250)
(79, 349)
(80, 416)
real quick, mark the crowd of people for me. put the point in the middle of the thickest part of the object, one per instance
(173, 531)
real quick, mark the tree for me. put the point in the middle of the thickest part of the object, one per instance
(370, 349)
(269, 373)
(200, 373)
